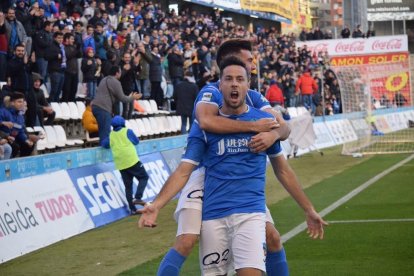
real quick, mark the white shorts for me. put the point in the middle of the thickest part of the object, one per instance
(238, 239)
(189, 222)
(191, 196)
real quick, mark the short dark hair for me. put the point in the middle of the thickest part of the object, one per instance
(67, 36)
(16, 96)
(231, 60)
(19, 45)
(114, 70)
(46, 23)
(231, 47)
(57, 34)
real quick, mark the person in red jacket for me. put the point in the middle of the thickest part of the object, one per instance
(307, 86)
(275, 95)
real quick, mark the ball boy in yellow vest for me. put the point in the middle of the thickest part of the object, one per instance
(122, 142)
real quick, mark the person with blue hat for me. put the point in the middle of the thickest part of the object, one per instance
(122, 142)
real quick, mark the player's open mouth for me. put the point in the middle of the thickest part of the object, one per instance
(234, 94)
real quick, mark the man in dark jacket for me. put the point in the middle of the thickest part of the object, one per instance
(44, 110)
(56, 57)
(70, 85)
(346, 32)
(144, 53)
(42, 42)
(155, 76)
(185, 94)
(176, 65)
(19, 71)
(129, 71)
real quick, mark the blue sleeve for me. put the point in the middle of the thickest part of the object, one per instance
(196, 146)
(131, 136)
(53, 8)
(210, 94)
(274, 150)
(257, 100)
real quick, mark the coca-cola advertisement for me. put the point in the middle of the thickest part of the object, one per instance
(358, 46)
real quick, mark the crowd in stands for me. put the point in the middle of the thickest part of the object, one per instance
(53, 51)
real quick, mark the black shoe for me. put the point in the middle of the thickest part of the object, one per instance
(138, 202)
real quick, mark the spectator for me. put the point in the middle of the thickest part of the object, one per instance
(346, 32)
(101, 42)
(109, 92)
(19, 70)
(175, 65)
(399, 99)
(88, 40)
(5, 148)
(13, 124)
(16, 33)
(145, 58)
(42, 42)
(185, 94)
(155, 76)
(275, 95)
(56, 57)
(307, 86)
(70, 84)
(89, 69)
(357, 33)
(89, 122)
(44, 110)
(129, 74)
(370, 32)
(49, 7)
(122, 142)
(289, 91)
(318, 34)
(3, 48)
(24, 15)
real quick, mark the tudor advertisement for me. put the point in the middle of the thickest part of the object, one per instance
(38, 211)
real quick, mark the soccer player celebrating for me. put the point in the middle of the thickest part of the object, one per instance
(234, 199)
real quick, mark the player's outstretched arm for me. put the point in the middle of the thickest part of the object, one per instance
(209, 120)
(175, 182)
(288, 179)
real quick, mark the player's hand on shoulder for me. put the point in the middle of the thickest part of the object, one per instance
(266, 124)
(262, 141)
(315, 225)
(149, 216)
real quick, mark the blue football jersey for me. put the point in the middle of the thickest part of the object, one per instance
(235, 176)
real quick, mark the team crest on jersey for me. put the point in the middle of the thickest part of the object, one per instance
(207, 97)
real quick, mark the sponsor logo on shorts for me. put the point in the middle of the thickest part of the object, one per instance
(216, 258)
(196, 194)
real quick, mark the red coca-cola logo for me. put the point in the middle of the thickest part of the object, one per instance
(392, 44)
(355, 46)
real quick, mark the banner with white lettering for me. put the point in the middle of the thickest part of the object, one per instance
(103, 193)
(357, 46)
(38, 211)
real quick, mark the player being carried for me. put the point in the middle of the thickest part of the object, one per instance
(235, 173)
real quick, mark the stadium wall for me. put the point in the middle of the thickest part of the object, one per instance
(51, 197)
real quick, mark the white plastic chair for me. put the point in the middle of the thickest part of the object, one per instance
(154, 125)
(65, 111)
(42, 144)
(81, 108)
(61, 137)
(154, 107)
(58, 111)
(74, 113)
(177, 120)
(141, 128)
(147, 107)
(52, 137)
(148, 127)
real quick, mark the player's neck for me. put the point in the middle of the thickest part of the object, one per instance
(228, 110)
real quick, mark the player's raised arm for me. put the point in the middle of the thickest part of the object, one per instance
(175, 182)
(288, 179)
(209, 120)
